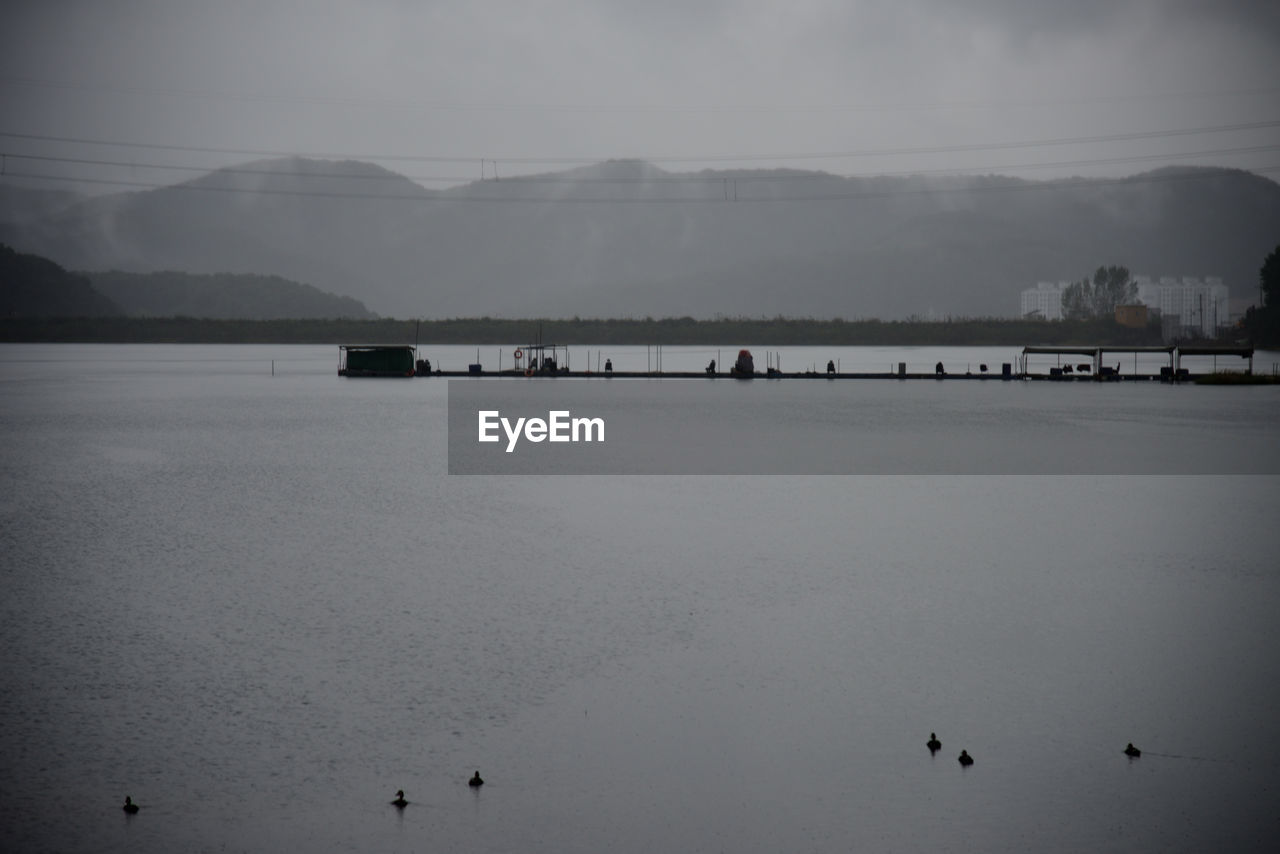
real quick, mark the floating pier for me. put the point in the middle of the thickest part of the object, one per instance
(550, 361)
(1097, 369)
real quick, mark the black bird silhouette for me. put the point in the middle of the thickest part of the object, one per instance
(1132, 752)
(475, 780)
(129, 806)
(400, 801)
(933, 744)
(965, 759)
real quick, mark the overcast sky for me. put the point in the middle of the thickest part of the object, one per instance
(455, 90)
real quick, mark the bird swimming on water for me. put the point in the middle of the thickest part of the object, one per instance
(933, 744)
(965, 759)
(1132, 752)
(475, 780)
(400, 801)
(129, 806)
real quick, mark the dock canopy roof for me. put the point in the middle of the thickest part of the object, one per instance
(1053, 351)
(1242, 352)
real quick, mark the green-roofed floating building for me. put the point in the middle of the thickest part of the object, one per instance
(376, 361)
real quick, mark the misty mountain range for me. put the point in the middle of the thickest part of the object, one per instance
(34, 286)
(626, 238)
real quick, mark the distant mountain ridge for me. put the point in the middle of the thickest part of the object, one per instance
(33, 286)
(627, 238)
(243, 296)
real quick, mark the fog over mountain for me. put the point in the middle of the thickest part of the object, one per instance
(627, 238)
(611, 157)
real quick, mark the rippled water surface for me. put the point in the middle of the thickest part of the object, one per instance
(258, 605)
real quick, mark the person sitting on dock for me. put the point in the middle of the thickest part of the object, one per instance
(711, 368)
(939, 370)
(608, 366)
(831, 366)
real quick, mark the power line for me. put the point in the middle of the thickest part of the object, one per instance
(446, 197)
(711, 158)
(989, 146)
(669, 178)
(252, 152)
(234, 170)
(719, 107)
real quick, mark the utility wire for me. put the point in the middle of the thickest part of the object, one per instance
(711, 158)
(668, 178)
(428, 197)
(299, 98)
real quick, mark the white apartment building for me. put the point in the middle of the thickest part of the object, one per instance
(1044, 300)
(1188, 305)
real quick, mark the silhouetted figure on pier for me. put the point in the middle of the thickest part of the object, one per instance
(1133, 752)
(400, 802)
(711, 367)
(475, 781)
(608, 366)
(831, 366)
(939, 370)
(129, 806)
(933, 744)
(983, 367)
(965, 759)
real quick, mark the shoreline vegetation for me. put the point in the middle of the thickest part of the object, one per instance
(777, 331)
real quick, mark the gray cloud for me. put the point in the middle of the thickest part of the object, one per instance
(533, 84)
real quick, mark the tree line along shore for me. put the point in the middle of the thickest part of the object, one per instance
(777, 331)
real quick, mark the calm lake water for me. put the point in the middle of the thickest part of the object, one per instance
(257, 604)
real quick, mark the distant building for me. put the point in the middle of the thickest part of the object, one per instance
(1188, 306)
(1044, 301)
(1133, 316)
